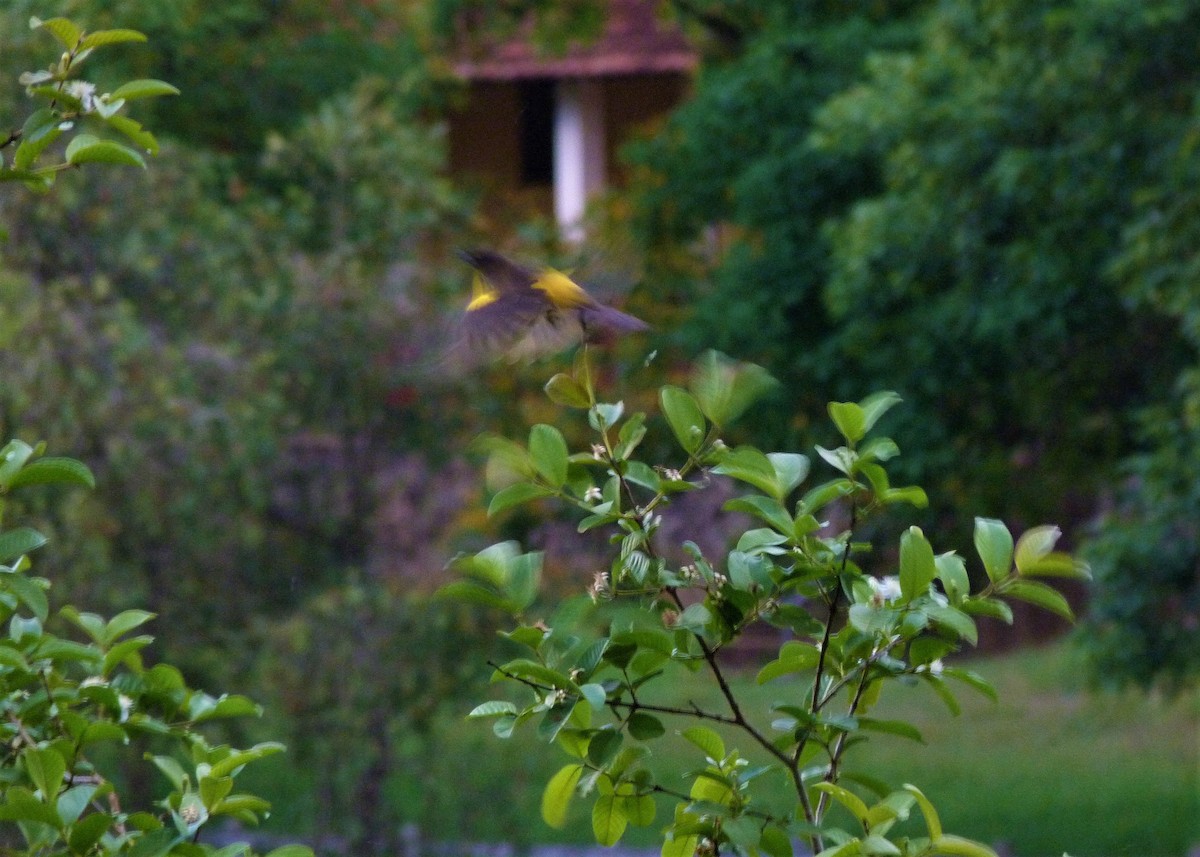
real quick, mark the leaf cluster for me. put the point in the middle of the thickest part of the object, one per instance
(589, 676)
(68, 99)
(74, 706)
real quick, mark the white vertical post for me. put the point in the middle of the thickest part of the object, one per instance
(579, 151)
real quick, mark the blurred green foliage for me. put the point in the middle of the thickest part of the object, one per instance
(988, 208)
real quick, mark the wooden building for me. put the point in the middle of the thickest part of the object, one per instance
(543, 130)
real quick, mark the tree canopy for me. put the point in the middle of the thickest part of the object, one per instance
(980, 206)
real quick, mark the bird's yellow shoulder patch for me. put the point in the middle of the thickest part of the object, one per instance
(561, 289)
(481, 294)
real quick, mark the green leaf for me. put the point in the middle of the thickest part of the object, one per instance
(549, 452)
(54, 470)
(766, 508)
(135, 89)
(46, 768)
(21, 805)
(640, 473)
(842, 459)
(947, 696)
(974, 680)
(493, 708)
(992, 607)
(31, 594)
(13, 456)
(958, 846)
(113, 37)
(595, 694)
(743, 832)
(707, 740)
(291, 851)
(775, 842)
(954, 620)
(725, 388)
(608, 821)
(849, 419)
(18, 542)
(913, 495)
(694, 618)
(556, 798)
(631, 434)
(1056, 564)
(19, 628)
(238, 759)
(875, 406)
(994, 544)
(876, 845)
(41, 129)
(156, 843)
(86, 149)
(846, 798)
(917, 566)
(132, 129)
(229, 705)
(820, 496)
(680, 846)
(73, 801)
(790, 470)
(638, 809)
(515, 495)
(952, 572)
(684, 416)
(793, 657)
(932, 822)
(1041, 595)
(747, 464)
(604, 415)
(62, 29)
(86, 832)
(891, 727)
(1034, 544)
(470, 592)
(123, 623)
(562, 389)
(644, 727)
(603, 746)
(527, 669)
(214, 789)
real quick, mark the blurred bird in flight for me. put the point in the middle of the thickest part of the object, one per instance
(528, 313)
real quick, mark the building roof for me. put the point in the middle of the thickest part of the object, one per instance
(635, 40)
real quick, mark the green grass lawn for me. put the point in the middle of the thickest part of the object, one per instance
(1049, 768)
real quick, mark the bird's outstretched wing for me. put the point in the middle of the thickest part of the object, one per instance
(524, 313)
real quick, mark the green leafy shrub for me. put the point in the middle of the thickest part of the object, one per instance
(74, 708)
(78, 710)
(659, 617)
(69, 100)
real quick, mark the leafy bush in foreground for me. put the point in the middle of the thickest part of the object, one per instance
(658, 617)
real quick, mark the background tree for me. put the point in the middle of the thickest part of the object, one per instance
(953, 216)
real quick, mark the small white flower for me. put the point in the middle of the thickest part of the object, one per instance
(84, 91)
(884, 589)
(593, 495)
(599, 452)
(936, 667)
(126, 707)
(673, 475)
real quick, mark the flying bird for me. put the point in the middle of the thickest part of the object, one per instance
(527, 313)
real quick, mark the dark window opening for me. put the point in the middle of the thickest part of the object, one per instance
(537, 131)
